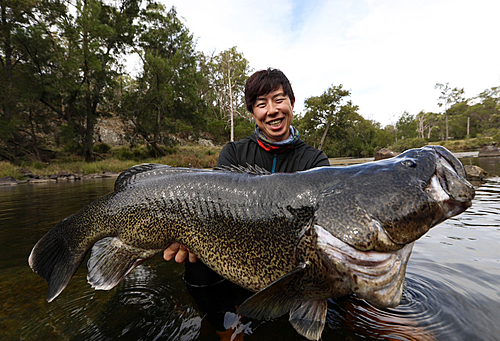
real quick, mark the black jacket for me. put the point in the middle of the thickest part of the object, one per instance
(298, 157)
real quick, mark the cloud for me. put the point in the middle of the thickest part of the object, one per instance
(389, 53)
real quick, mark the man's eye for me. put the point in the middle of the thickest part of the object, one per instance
(261, 105)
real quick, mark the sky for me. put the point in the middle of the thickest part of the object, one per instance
(389, 53)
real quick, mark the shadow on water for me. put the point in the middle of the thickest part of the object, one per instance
(451, 290)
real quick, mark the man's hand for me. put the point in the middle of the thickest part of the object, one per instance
(179, 252)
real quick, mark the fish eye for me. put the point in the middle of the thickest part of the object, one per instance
(409, 163)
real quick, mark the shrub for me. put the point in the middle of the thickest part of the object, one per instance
(102, 148)
(405, 144)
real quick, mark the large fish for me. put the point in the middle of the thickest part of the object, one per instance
(294, 239)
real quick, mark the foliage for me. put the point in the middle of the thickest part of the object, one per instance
(447, 98)
(225, 75)
(404, 144)
(62, 68)
(327, 115)
(164, 97)
(406, 126)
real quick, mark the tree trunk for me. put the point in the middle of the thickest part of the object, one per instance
(446, 138)
(324, 136)
(468, 125)
(231, 110)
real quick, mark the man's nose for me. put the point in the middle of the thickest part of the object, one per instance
(273, 107)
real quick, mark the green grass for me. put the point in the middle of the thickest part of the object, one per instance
(116, 161)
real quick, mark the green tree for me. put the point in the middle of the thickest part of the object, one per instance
(165, 96)
(447, 98)
(20, 116)
(406, 126)
(324, 112)
(75, 55)
(427, 121)
(226, 74)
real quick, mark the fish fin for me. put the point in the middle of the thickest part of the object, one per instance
(54, 261)
(111, 260)
(308, 317)
(129, 175)
(276, 299)
(249, 169)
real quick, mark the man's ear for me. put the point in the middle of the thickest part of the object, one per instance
(293, 104)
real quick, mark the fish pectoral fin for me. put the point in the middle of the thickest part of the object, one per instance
(308, 317)
(111, 260)
(276, 299)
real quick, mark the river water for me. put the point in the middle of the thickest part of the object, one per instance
(452, 289)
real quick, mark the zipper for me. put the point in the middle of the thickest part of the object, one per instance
(274, 164)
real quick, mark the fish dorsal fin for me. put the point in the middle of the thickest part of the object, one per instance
(249, 169)
(111, 260)
(130, 175)
(308, 317)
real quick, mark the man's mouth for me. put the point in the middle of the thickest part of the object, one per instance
(275, 123)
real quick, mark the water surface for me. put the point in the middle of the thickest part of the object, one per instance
(452, 289)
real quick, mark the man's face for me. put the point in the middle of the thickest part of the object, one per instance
(273, 114)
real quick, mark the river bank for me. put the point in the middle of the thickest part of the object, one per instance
(473, 172)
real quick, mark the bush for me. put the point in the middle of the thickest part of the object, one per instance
(9, 169)
(138, 153)
(406, 144)
(102, 148)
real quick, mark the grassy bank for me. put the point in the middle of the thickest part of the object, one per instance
(115, 160)
(118, 159)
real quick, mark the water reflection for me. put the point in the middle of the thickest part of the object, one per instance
(451, 291)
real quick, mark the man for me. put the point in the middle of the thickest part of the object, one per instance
(276, 147)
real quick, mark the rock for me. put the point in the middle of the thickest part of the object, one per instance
(384, 153)
(8, 180)
(476, 173)
(488, 151)
(205, 142)
(25, 172)
(41, 180)
(109, 174)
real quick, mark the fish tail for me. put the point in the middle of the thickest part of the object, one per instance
(54, 261)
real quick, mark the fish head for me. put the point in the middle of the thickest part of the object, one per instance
(384, 205)
(367, 223)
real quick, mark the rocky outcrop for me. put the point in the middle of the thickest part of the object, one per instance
(111, 131)
(384, 153)
(8, 180)
(59, 177)
(488, 151)
(476, 173)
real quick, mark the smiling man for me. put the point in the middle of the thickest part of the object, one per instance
(276, 147)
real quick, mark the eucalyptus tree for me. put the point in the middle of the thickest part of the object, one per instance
(325, 112)
(448, 97)
(22, 25)
(165, 95)
(72, 50)
(226, 74)
(427, 122)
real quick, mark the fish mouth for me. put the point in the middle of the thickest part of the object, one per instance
(374, 276)
(448, 186)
